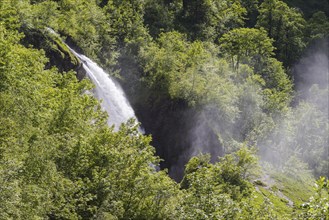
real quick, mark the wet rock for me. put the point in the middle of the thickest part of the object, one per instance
(57, 52)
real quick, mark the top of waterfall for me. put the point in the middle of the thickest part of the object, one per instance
(50, 30)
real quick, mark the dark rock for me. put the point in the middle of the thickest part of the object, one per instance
(81, 72)
(58, 53)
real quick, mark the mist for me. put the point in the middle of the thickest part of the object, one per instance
(299, 140)
(299, 137)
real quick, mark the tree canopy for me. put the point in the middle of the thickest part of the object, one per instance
(233, 128)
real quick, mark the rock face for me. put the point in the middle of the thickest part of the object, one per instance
(172, 123)
(81, 72)
(57, 52)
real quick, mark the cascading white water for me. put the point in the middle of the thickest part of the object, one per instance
(113, 99)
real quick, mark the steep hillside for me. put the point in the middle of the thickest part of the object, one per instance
(232, 95)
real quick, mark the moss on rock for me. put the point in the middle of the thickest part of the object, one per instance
(55, 49)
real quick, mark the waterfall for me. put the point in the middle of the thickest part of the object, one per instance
(109, 92)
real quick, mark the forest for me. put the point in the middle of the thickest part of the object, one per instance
(232, 96)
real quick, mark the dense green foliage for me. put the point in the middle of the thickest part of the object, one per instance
(317, 207)
(211, 81)
(285, 25)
